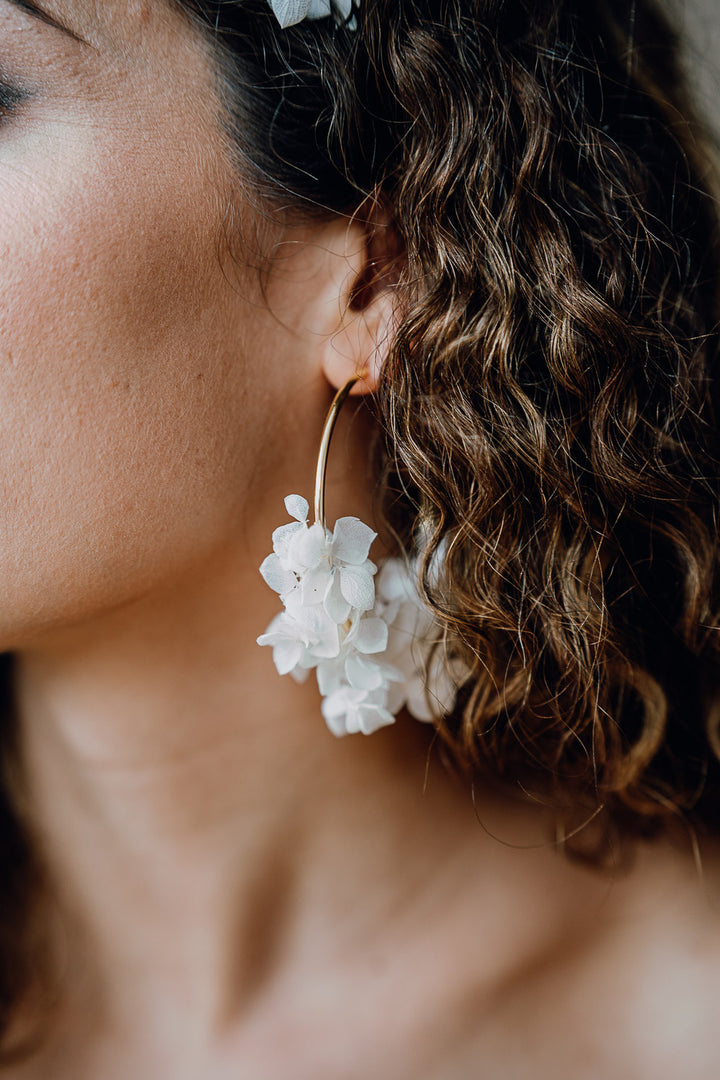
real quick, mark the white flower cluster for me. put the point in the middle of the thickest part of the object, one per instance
(290, 12)
(367, 634)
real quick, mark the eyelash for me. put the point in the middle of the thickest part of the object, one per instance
(10, 98)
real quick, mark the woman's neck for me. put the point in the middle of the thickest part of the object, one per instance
(209, 839)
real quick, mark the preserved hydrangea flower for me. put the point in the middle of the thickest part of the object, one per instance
(368, 636)
(290, 12)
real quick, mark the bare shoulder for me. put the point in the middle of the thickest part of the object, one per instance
(636, 998)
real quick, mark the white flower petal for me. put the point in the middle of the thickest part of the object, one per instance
(407, 633)
(352, 722)
(437, 563)
(396, 696)
(307, 548)
(286, 655)
(371, 635)
(276, 631)
(363, 674)
(357, 587)
(335, 603)
(328, 646)
(373, 718)
(282, 536)
(330, 676)
(296, 506)
(444, 678)
(349, 710)
(336, 723)
(402, 655)
(315, 585)
(320, 9)
(336, 706)
(351, 540)
(314, 628)
(399, 581)
(277, 577)
(417, 702)
(290, 12)
(432, 692)
(315, 620)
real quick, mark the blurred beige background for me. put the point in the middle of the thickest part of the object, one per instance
(700, 22)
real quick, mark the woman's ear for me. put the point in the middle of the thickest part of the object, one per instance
(367, 305)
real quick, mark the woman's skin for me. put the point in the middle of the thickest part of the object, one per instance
(237, 893)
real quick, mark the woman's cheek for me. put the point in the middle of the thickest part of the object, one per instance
(120, 383)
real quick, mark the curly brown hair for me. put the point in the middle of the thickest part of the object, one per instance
(551, 401)
(548, 402)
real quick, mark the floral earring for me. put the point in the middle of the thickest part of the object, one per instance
(365, 631)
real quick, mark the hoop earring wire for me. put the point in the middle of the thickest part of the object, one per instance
(367, 634)
(327, 433)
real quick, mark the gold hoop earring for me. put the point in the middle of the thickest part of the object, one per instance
(367, 634)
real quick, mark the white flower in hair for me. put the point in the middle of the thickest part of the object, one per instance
(290, 12)
(373, 649)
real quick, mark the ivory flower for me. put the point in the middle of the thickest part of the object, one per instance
(290, 12)
(373, 649)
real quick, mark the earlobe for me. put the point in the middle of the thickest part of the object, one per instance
(359, 346)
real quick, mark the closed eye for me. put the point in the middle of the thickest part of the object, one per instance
(10, 98)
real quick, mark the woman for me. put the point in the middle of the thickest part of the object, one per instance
(497, 216)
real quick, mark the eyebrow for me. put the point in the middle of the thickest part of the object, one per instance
(30, 7)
